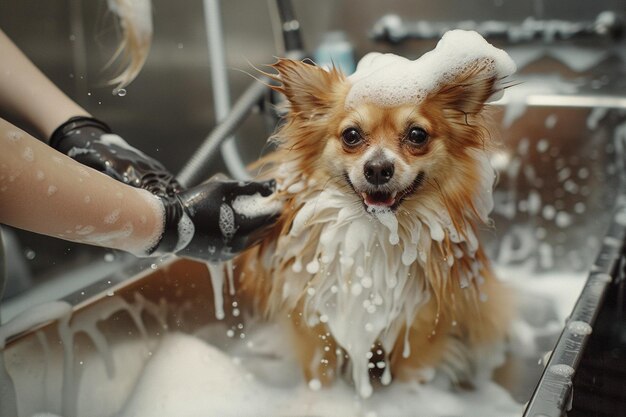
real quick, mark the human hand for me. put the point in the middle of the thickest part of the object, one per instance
(212, 221)
(92, 143)
(218, 219)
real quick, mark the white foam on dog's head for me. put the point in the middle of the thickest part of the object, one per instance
(388, 80)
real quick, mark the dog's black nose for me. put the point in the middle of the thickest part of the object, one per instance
(378, 171)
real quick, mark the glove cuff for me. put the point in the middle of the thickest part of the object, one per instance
(73, 124)
(178, 228)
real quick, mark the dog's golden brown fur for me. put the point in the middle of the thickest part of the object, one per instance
(475, 312)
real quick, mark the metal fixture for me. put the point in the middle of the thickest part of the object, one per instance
(196, 168)
(391, 28)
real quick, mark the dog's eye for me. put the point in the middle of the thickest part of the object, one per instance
(351, 137)
(417, 136)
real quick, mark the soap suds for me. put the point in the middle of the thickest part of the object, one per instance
(562, 370)
(156, 205)
(217, 275)
(186, 230)
(28, 154)
(388, 80)
(84, 230)
(255, 205)
(34, 316)
(580, 328)
(112, 217)
(14, 136)
(187, 377)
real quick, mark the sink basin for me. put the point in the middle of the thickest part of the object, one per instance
(560, 189)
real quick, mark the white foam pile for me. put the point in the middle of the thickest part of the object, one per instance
(389, 80)
(187, 377)
(259, 375)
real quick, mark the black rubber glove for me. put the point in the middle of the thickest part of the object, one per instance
(220, 231)
(199, 223)
(92, 143)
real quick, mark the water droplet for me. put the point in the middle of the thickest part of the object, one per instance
(315, 384)
(30, 254)
(120, 92)
(153, 266)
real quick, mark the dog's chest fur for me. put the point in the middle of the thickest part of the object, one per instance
(363, 274)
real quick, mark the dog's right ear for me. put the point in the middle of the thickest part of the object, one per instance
(311, 90)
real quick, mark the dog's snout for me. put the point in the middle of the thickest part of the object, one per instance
(378, 171)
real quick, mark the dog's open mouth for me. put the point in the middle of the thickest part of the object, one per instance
(379, 198)
(387, 199)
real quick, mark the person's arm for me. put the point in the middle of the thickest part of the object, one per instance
(26, 93)
(47, 192)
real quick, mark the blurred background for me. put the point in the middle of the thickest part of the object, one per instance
(168, 110)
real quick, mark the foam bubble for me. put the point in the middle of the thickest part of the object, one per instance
(388, 80)
(313, 267)
(315, 384)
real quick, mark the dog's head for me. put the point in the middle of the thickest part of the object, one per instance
(389, 154)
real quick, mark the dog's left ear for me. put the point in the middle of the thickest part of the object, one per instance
(468, 91)
(310, 89)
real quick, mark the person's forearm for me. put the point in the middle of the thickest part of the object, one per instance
(46, 192)
(25, 92)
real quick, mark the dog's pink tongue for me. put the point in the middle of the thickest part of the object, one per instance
(379, 199)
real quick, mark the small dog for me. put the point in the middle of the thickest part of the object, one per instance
(375, 262)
